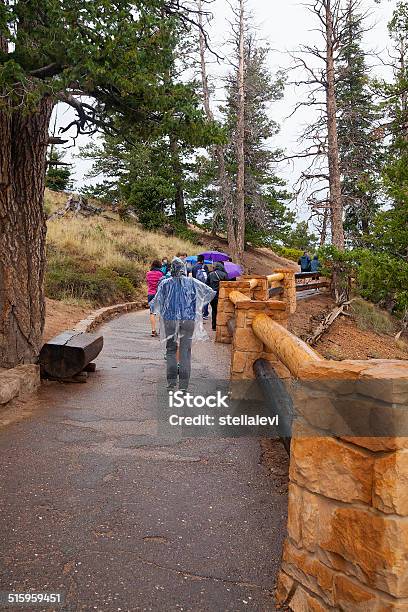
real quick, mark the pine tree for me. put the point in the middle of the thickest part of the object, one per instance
(359, 147)
(391, 227)
(101, 58)
(59, 173)
(156, 173)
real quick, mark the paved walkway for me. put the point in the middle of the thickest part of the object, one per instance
(95, 505)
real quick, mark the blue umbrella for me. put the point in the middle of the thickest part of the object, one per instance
(215, 256)
(194, 258)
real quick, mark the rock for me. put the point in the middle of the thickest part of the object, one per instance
(9, 388)
(354, 540)
(390, 493)
(303, 601)
(331, 468)
(29, 375)
(246, 341)
(332, 370)
(351, 596)
(284, 588)
(374, 546)
(239, 362)
(309, 571)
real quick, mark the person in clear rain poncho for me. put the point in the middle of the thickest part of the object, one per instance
(179, 302)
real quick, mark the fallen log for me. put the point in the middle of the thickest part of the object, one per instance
(327, 322)
(68, 354)
(78, 205)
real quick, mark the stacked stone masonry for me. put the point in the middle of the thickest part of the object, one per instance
(347, 544)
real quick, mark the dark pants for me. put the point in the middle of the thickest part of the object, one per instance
(205, 311)
(184, 339)
(214, 308)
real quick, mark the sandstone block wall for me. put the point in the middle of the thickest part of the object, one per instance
(226, 309)
(347, 543)
(246, 347)
(289, 287)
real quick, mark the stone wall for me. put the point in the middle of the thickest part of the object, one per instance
(246, 347)
(226, 309)
(18, 382)
(347, 543)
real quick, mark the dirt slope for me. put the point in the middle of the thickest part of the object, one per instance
(344, 340)
(60, 317)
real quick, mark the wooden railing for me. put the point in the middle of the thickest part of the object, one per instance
(324, 284)
(288, 348)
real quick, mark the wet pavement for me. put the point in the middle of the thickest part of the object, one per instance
(98, 506)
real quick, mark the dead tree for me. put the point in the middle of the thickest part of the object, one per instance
(321, 181)
(218, 152)
(332, 44)
(240, 139)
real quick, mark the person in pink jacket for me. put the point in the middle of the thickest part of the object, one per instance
(153, 278)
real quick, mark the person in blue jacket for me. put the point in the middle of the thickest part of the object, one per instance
(305, 262)
(315, 264)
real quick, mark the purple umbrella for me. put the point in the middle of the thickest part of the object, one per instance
(233, 270)
(215, 256)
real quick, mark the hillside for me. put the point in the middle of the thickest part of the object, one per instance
(102, 260)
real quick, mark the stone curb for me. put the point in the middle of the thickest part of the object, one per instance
(105, 314)
(25, 379)
(18, 382)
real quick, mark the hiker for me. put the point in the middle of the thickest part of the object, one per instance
(165, 267)
(153, 278)
(315, 265)
(183, 256)
(305, 262)
(214, 278)
(200, 271)
(200, 266)
(179, 302)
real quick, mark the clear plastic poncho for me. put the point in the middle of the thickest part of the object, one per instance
(179, 303)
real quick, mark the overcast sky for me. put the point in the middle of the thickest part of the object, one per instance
(283, 24)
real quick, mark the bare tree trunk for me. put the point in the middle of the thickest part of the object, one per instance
(323, 233)
(180, 207)
(218, 151)
(24, 138)
(336, 203)
(240, 140)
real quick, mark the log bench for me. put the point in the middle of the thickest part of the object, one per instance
(68, 354)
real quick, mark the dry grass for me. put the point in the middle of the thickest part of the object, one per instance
(98, 261)
(112, 242)
(369, 317)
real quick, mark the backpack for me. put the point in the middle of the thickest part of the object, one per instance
(201, 275)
